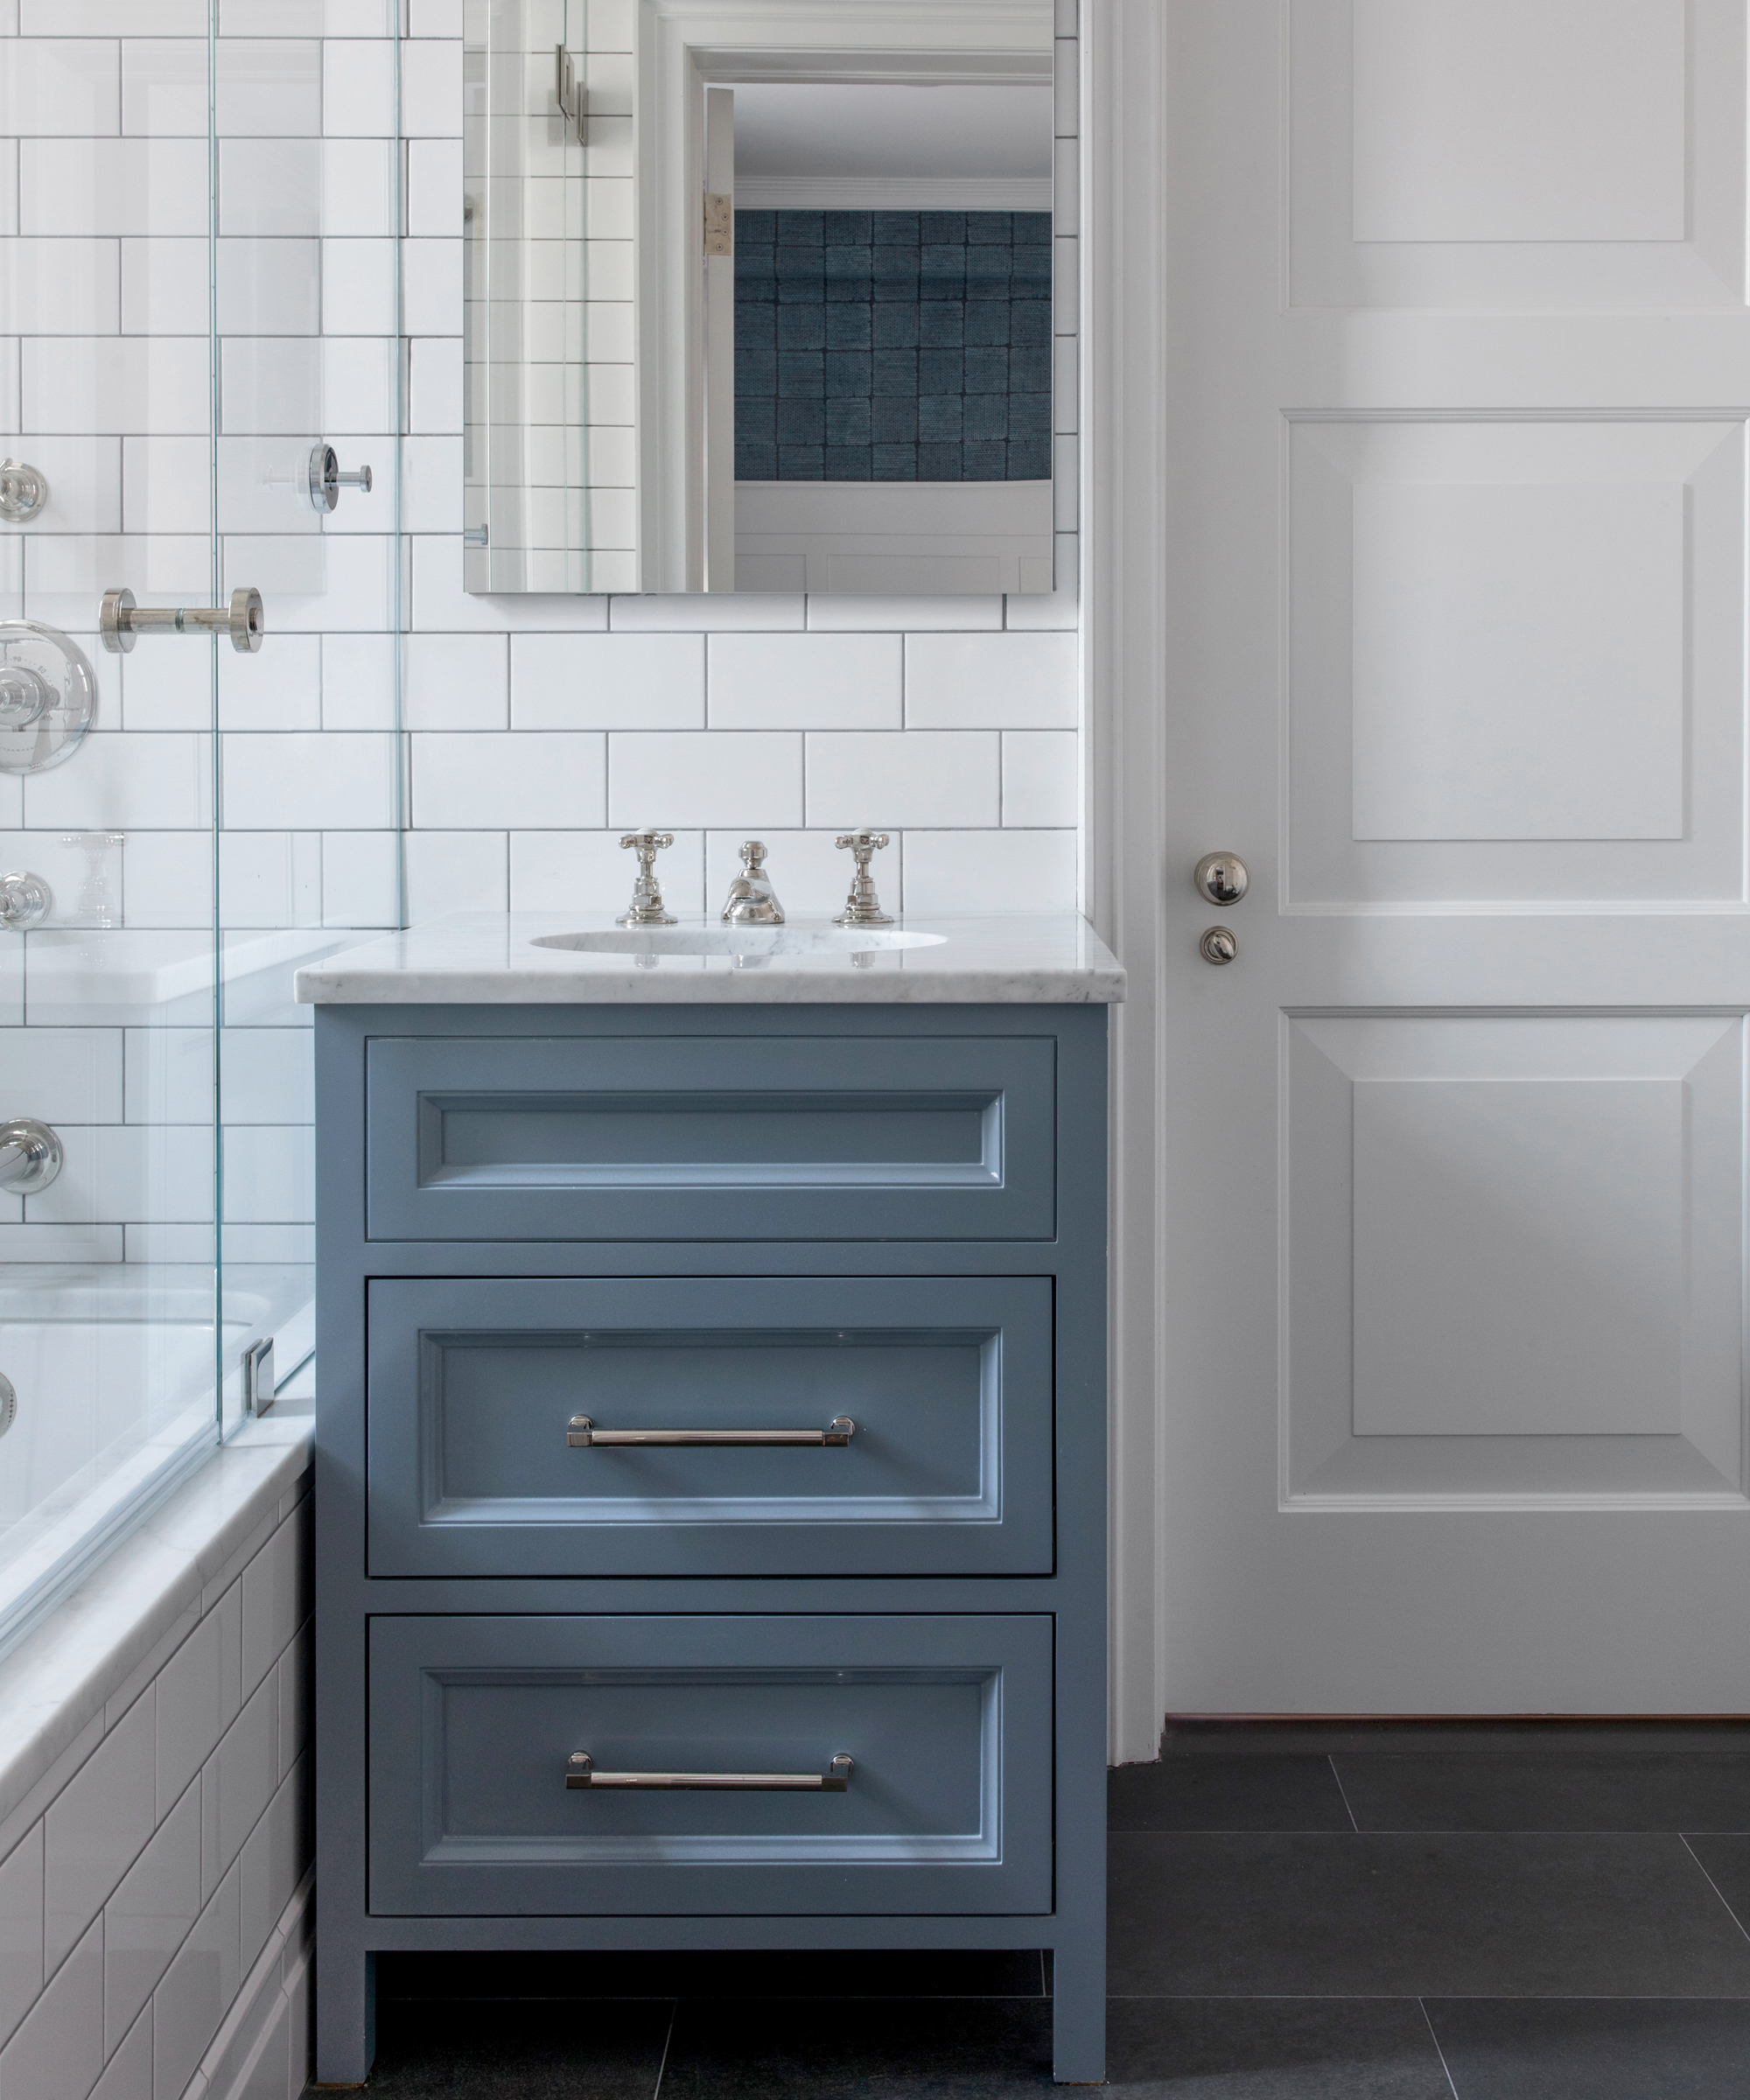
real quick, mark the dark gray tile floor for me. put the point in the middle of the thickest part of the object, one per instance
(1427, 1911)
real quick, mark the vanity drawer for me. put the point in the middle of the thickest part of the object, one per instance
(946, 1806)
(473, 1386)
(725, 1137)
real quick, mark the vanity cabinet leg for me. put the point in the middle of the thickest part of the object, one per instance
(1078, 2001)
(346, 2013)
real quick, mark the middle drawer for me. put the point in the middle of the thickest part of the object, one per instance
(495, 1407)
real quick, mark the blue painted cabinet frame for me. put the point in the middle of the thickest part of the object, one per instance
(970, 1068)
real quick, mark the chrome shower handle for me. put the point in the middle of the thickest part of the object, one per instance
(122, 622)
(30, 1155)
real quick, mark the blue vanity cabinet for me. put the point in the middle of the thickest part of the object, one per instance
(566, 1254)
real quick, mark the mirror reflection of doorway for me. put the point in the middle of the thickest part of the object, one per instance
(880, 351)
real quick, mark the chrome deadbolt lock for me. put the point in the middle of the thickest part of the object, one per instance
(1218, 945)
(1222, 877)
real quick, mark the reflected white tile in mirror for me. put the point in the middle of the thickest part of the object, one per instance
(749, 308)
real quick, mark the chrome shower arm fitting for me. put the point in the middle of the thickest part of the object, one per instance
(647, 907)
(122, 622)
(863, 907)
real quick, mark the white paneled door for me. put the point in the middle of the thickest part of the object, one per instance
(1453, 1288)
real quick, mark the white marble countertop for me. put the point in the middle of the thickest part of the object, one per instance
(492, 958)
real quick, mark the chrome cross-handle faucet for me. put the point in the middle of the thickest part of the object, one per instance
(647, 907)
(753, 901)
(863, 907)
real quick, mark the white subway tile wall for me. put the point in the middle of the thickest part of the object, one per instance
(536, 727)
(161, 1894)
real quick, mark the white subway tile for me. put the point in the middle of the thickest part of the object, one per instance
(804, 682)
(65, 573)
(124, 784)
(280, 688)
(1064, 400)
(57, 2052)
(357, 187)
(270, 287)
(454, 871)
(1065, 14)
(440, 603)
(164, 286)
(357, 89)
(56, 86)
(165, 488)
(97, 1828)
(120, 384)
(296, 1668)
(269, 1175)
(1055, 611)
(838, 611)
(435, 17)
(456, 682)
(21, 1930)
(268, 188)
(431, 287)
(1066, 186)
(609, 26)
(432, 485)
(60, 287)
(359, 878)
(117, 1171)
(274, 1860)
(308, 782)
(358, 681)
(434, 188)
(663, 613)
(112, 17)
(150, 1915)
(163, 86)
(588, 871)
(358, 282)
(265, 1076)
(358, 386)
(63, 1075)
(160, 689)
(306, 18)
(197, 1991)
(169, 1079)
(268, 88)
(244, 1773)
(270, 878)
(935, 777)
(952, 873)
(1065, 485)
(535, 779)
(268, 385)
(167, 879)
(435, 396)
(811, 876)
(128, 2076)
(431, 88)
(1066, 98)
(701, 778)
(85, 481)
(991, 681)
(264, 485)
(312, 582)
(112, 185)
(608, 681)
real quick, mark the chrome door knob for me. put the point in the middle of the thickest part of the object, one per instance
(1218, 945)
(1222, 877)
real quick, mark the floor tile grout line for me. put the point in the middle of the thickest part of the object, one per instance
(1683, 1841)
(1422, 2006)
(1331, 1759)
(674, 2014)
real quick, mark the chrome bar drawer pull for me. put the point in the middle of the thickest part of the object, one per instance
(580, 1772)
(581, 1431)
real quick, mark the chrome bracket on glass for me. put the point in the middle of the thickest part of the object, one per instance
(9, 1404)
(25, 900)
(24, 490)
(863, 907)
(568, 92)
(326, 480)
(122, 622)
(30, 1155)
(581, 1775)
(48, 695)
(258, 1377)
(647, 907)
(581, 1432)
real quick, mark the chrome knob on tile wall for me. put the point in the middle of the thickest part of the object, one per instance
(30, 1155)
(1222, 877)
(24, 490)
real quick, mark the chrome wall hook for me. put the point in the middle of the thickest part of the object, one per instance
(122, 622)
(326, 480)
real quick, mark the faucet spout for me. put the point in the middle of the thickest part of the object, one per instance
(752, 900)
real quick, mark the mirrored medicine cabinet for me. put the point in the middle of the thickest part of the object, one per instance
(758, 297)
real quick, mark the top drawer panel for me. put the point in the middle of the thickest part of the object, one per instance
(687, 1137)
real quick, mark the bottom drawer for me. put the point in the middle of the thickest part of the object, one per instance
(945, 1806)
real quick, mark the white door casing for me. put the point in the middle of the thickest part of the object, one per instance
(1429, 318)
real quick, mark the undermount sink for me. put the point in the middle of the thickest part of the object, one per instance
(739, 940)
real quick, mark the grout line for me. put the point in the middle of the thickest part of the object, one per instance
(1713, 1884)
(674, 2014)
(1422, 2005)
(1330, 1759)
